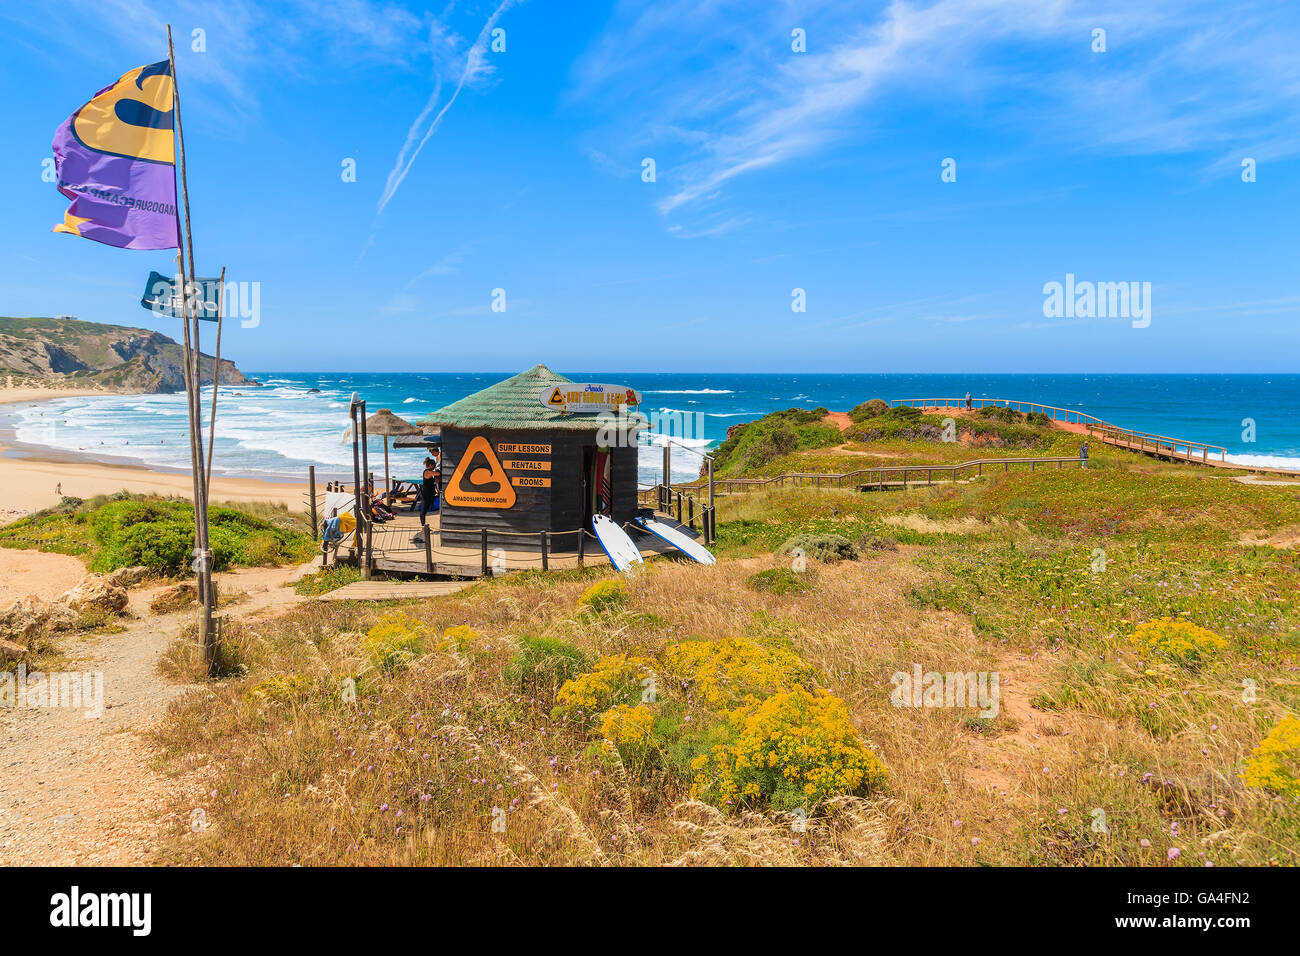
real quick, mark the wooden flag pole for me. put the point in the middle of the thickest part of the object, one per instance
(216, 376)
(204, 556)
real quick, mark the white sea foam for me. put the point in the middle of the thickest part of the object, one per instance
(1266, 461)
(691, 391)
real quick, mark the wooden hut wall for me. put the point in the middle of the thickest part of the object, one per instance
(566, 486)
(624, 474)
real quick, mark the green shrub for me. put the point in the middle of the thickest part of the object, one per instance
(542, 665)
(603, 596)
(781, 581)
(823, 547)
(326, 580)
(874, 542)
(124, 530)
(163, 546)
(773, 436)
(867, 410)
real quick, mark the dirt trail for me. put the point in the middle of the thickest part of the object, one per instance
(78, 791)
(38, 574)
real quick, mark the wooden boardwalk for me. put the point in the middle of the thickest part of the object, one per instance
(393, 590)
(1081, 423)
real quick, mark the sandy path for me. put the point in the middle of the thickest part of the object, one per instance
(45, 576)
(77, 791)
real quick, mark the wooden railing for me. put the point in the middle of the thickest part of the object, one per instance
(1148, 442)
(866, 478)
(1154, 444)
(1054, 412)
(683, 502)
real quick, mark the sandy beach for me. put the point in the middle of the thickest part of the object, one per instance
(30, 476)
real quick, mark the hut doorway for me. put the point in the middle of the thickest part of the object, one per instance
(597, 483)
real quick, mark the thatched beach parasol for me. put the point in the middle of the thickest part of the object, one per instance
(384, 422)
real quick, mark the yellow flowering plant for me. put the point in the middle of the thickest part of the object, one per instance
(1177, 641)
(1275, 763)
(280, 687)
(615, 679)
(725, 673)
(603, 596)
(462, 637)
(394, 641)
(793, 749)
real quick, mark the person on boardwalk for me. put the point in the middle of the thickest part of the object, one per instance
(1083, 455)
(968, 401)
(428, 490)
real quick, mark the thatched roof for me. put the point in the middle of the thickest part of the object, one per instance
(516, 404)
(384, 422)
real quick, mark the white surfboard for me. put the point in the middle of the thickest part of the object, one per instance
(683, 543)
(622, 551)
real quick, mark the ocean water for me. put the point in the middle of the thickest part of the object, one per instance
(279, 429)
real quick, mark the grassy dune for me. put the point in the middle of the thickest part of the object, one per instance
(509, 704)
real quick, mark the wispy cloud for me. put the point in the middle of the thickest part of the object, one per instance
(475, 68)
(242, 45)
(716, 94)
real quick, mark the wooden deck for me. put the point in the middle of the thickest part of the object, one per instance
(395, 549)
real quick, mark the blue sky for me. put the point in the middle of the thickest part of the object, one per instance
(775, 170)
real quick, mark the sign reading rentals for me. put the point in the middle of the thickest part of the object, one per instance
(588, 397)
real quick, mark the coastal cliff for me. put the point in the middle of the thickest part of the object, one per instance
(70, 353)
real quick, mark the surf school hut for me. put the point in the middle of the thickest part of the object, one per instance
(536, 453)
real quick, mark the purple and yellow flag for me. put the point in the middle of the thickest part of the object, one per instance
(116, 160)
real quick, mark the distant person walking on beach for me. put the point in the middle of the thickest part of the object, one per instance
(58, 489)
(1083, 455)
(968, 401)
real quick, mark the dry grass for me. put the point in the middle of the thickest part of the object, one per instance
(1090, 759)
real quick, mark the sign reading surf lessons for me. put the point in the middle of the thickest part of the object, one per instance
(588, 397)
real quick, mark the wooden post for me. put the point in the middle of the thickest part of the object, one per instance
(667, 470)
(368, 556)
(356, 481)
(483, 543)
(582, 545)
(185, 244)
(712, 505)
(216, 377)
(311, 492)
(545, 564)
(428, 550)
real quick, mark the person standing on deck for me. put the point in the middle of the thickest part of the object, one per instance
(968, 401)
(1083, 455)
(428, 490)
